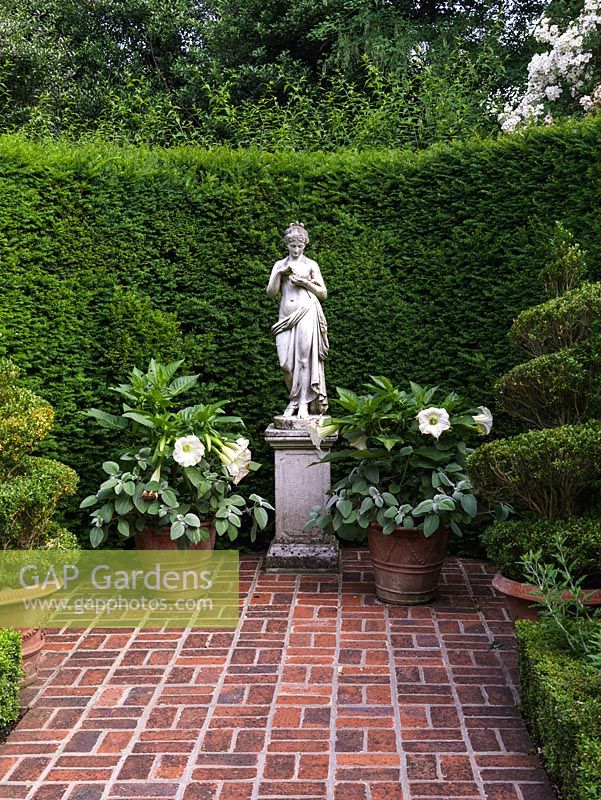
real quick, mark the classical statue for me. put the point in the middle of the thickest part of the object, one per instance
(301, 334)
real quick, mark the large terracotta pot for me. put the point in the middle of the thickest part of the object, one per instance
(523, 604)
(406, 563)
(32, 646)
(160, 539)
(32, 639)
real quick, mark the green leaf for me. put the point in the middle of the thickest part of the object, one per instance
(169, 497)
(123, 504)
(221, 526)
(91, 500)
(372, 473)
(141, 419)
(129, 487)
(389, 499)
(177, 529)
(261, 516)
(111, 468)
(431, 524)
(96, 537)
(424, 507)
(105, 420)
(192, 520)
(345, 507)
(446, 505)
(469, 504)
(182, 384)
(123, 527)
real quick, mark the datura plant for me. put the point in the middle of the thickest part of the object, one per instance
(407, 460)
(180, 468)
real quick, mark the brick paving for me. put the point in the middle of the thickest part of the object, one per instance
(321, 692)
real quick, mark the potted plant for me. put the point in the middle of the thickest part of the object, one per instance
(406, 483)
(550, 474)
(173, 484)
(30, 489)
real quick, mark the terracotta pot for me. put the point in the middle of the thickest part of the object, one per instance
(521, 602)
(32, 645)
(160, 539)
(406, 563)
(32, 639)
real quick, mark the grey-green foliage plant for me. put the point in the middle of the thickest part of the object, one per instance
(560, 592)
(554, 470)
(179, 466)
(406, 460)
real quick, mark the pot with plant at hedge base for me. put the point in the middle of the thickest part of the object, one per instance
(550, 474)
(406, 485)
(173, 486)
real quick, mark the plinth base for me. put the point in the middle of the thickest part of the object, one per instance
(303, 557)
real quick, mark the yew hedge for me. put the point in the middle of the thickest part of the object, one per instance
(112, 255)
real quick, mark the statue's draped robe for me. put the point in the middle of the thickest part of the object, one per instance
(309, 322)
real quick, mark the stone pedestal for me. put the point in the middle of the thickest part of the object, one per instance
(300, 485)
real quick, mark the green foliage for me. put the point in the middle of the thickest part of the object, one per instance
(566, 264)
(507, 542)
(271, 74)
(560, 322)
(561, 388)
(554, 472)
(10, 675)
(406, 465)
(30, 487)
(178, 467)
(414, 268)
(28, 500)
(561, 701)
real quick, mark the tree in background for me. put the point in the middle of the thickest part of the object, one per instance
(302, 74)
(565, 79)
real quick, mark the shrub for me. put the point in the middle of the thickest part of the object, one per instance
(561, 702)
(561, 388)
(28, 500)
(10, 675)
(24, 418)
(544, 471)
(30, 486)
(560, 322)
(506, 542)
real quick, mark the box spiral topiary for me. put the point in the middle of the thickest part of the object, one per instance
(552, 473)
(30, 486)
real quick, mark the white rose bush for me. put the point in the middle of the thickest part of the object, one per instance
(406, 459)
(179, 467)
(565, 77)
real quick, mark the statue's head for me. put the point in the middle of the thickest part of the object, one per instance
(296, 230)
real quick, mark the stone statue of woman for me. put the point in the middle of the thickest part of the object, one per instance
(301, 334)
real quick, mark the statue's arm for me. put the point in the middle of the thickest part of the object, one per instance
(315, 283)
(275, 280)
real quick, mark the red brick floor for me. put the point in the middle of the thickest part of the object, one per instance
(322, 692)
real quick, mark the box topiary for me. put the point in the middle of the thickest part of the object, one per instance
(10, 675)
(30, 486)
(552, 472)
(510, 540)
(561, 703)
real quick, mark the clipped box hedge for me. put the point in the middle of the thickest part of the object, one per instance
(113, 255)
(561, 703)
(10, 675)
